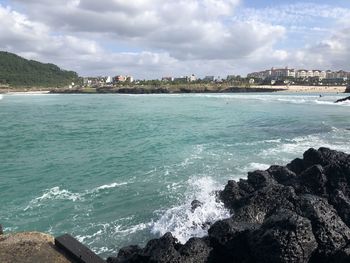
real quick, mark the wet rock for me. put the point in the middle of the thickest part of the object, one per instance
(195, 204)
(1, 231)
(232, 193)
(294, 213)
(283, 237)
(343, 99)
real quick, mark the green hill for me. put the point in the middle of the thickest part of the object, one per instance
(17, 71)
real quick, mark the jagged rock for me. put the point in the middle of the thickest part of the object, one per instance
(256, 206)
(343, 99)
(166, 250)
(283, 175)
(297, 213)
(331, 233)
(230, 240)
(259, 179)
(283, 237)
(342, 204)
(127, 254)
(296, 166)
(196, 250)
(313, 181)
(231, 193)
(195, 204)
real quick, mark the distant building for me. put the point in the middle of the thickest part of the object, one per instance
(209, 78)
(283, 73)
(169, 79)
(119, 78)
(192, 78)
(181, 79)
(93, 81)
(130, 79)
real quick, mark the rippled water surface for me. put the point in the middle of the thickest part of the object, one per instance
(115, 170)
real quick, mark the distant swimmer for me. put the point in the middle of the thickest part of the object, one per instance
(320, 96)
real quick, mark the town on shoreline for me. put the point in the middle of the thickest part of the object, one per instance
(271, 80)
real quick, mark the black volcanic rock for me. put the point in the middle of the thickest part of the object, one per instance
(229, 240)
(283, 237)
(331, 233)
(294, 213)
(344, 99)
(195, 204)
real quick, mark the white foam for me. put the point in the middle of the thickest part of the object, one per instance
(296, 146)
(56, 193)
(255, 166)
(1, 97)
(107, 186)
(184, 223)
(31, 93)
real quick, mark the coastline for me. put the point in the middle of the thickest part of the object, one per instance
(292, 213)
(316, 89)
(181, 90)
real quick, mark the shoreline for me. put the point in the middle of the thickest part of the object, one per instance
(184, 90)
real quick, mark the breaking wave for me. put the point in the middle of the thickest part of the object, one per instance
(333, 139)
(56, 193)
(184, 223)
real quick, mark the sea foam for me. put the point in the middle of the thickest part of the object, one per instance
(184, 223)
(297, 145)
(56, 193)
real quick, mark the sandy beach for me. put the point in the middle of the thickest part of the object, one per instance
(313, 89)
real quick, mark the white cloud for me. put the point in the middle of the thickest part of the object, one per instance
(151, 38)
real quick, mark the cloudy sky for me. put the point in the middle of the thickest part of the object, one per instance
(155, 38)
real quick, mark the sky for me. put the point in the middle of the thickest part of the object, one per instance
(154, 38)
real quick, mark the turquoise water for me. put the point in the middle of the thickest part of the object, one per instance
(115, 170)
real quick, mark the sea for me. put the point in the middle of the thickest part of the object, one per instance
(114, 170)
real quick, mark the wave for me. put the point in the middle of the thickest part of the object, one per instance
(56, 193)
(255, 166)
(293, 99)
(106, 186)
(1, 97)
(101, 231)
(184, 223)
(334, 139)
(31, 93)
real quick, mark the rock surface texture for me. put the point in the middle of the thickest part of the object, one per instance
(294, 213)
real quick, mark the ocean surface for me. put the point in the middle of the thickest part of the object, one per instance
(115, 170)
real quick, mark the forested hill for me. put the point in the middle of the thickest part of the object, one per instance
(18, 71)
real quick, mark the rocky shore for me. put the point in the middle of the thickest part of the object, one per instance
(294, 213)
